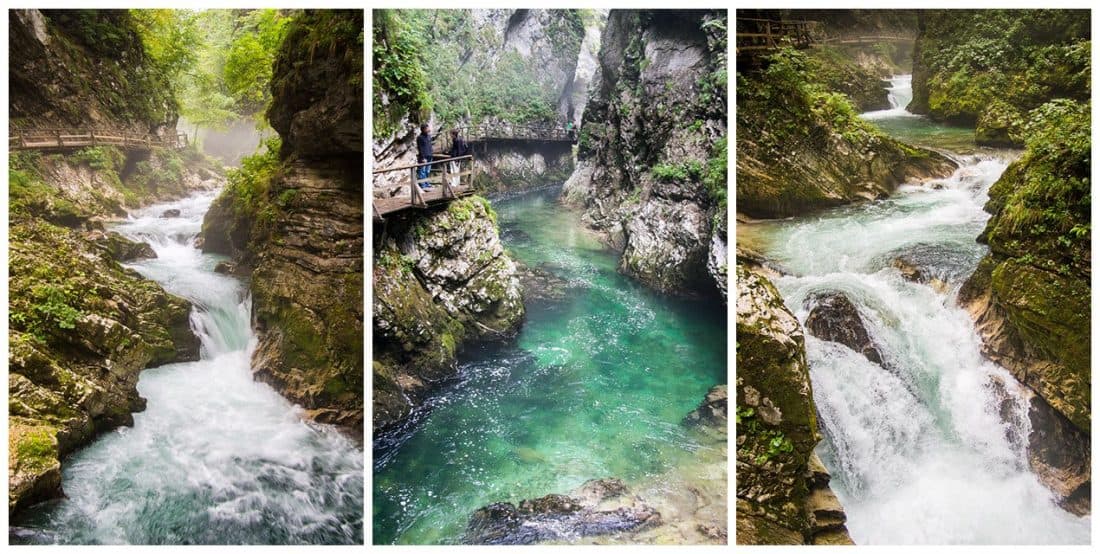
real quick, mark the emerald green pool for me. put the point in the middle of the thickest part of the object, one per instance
(595, 385)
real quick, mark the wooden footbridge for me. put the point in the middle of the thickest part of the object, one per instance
(760, 36)
(449, 179)
(67, 139)
(509, 131)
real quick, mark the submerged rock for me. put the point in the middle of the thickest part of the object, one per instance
(834, 318)
(599, 507)
(713, 410)
(170, 213)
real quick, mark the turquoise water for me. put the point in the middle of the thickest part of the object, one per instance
(594, 386)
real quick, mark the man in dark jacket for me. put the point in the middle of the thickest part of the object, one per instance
(423, 155)
(459, 146)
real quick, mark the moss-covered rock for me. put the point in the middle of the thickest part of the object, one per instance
(991, 67)
(1031, 295)
(802, 147)
(440, 282)
(782, 489)
(292, 216)
(81, 329)
(85, 68)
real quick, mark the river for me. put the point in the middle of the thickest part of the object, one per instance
(918, 448)
(595, 385)
(216, 457)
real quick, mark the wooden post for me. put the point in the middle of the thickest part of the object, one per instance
(415, 196)
(60, 142)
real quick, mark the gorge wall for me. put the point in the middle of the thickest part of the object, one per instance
(81, 325)
(293, 219)
(651, 171)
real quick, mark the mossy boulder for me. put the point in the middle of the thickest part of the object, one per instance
(777, 430)
(441, 282)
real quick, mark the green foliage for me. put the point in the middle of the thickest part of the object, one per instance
(715, 174)
(788, 103)
(248, 63)
(691, 170)
(993, 66)
(1043, 200)
(434, 59)
(400, 85)
(100, 158)
(249, 184)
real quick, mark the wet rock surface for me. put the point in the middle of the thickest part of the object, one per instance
(782, 488)
(1059, 453)
(440, 280)
(834, 318)
(599, 507)
(713, 410)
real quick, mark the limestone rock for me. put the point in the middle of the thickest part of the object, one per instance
(713, 410)
(834, 318)
(661, 218)
(783, 495)
(598, 507)
(441, 280)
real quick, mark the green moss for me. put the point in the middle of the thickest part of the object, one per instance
(991, 66)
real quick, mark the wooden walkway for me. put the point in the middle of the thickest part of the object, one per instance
(867, 39)
(66, 139)
(508, 131)
(759, 36)
(755, 36)
(450, 179)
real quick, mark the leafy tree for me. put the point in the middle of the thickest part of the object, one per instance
(248, 63)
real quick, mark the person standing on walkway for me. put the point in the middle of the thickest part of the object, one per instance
(423, 156)
(459, 147)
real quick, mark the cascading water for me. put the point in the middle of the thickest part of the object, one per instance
(899, 93)
(930, 446)
(216, 457)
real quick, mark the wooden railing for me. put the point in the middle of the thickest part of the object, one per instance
(454, 176)
(759, 35)
(63, 139)
(867, 39)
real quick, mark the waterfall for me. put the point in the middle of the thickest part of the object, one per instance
(216, 457)
(929, 446)
(899, 92)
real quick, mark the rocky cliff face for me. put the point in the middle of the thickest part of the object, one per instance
(84, 68)
(440, 281)
(304, 238)
(82, 326)
(505, 167)
(783, 495)
(652, 154)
